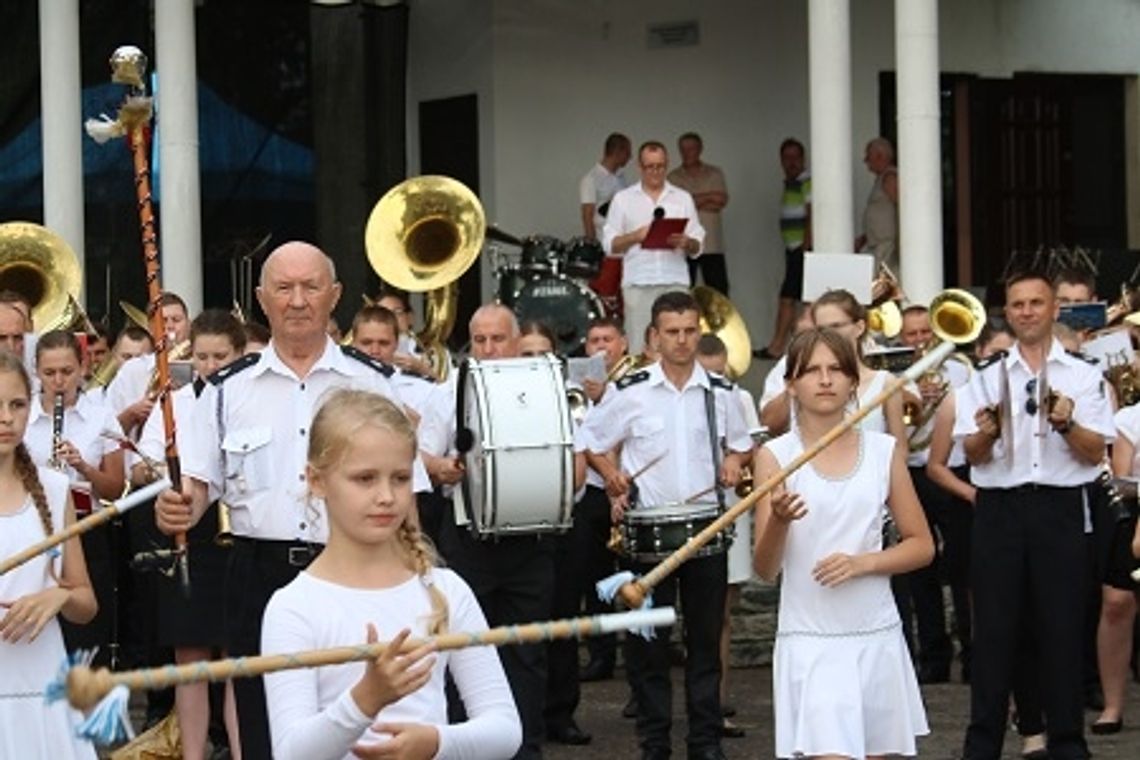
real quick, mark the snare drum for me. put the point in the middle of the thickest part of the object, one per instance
(520, 468)
(650, 534)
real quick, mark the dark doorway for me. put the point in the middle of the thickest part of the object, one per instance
(1037, 160)
(449, 145)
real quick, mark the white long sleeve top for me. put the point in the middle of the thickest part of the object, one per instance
(312, 714)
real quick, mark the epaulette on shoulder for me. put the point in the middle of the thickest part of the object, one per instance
(632, 378)
(992, 359)
(234, 367)
(722, 382)
(1084, 357)
(387, 370)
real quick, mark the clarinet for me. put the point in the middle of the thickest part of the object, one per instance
(56, 432)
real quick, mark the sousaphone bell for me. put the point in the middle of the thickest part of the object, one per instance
(40, 265)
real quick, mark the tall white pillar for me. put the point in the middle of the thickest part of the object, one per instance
(62, 119)
(919, 148)
(829, 70)
(180, 213)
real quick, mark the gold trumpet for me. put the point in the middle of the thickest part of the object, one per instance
(422, 236)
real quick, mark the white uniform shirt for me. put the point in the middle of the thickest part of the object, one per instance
(633, 208)
(130, 383)
(1127, 422)
(257, 461)
(651, 418)
(774, 383)
(83, 426)
(152, 439)
(431, 402)
(1038, 457)
(957, 375)
(599, 187)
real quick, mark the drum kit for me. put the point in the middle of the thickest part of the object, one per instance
(547, 280)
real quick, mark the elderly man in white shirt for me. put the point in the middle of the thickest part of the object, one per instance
(650, 272)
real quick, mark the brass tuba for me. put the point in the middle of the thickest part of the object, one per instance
(422, 236)
(38, 264)
(720, 317)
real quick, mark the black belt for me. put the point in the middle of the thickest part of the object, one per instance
(1035, 488)
(292, 553)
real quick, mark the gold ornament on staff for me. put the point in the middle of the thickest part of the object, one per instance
(128, 66)
(954, 319)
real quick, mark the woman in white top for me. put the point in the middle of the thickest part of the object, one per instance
(84, 453)
(839, 311)
(376, 579)
(34, 502)
(92, 462)
(844, 685)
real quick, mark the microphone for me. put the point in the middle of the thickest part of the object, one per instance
(658, 213)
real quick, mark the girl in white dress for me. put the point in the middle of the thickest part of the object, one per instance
(376, 579)
(33, 503)
(844, 686)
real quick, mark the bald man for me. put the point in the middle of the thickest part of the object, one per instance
(881, 215)
(247, 442)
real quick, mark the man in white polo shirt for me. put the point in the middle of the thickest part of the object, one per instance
(650, 272)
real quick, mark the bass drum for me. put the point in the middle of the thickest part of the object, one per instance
(520, 464)
(563, 305)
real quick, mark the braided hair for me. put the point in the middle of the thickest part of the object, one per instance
(340, 417)
(24, 466)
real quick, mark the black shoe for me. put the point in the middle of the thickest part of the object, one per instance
(630, 709)
(731, 730)
(1101, 728)
(569, 734)
(596, 670)
(708, 753)
(727, 710)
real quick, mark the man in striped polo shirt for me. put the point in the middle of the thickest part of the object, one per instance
(795, 228)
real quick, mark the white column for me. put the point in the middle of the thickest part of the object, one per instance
(62, 119)
(180, 237)
(829, 70)
(919, 148)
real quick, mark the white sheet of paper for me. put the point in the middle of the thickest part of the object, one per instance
(586, 368)
(853, 272)
(1107, 348)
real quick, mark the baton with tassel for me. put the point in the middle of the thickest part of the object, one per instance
(956, 316)
(128, 66)
(105, 693)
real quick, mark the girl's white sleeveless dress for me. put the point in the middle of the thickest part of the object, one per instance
(29, 728)
(842, 677)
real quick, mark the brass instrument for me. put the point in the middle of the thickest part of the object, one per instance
(225, 534)
(40, 265)
(918, 415)
(1121, 374)
(1125, 305)
(72, 319)
(885, 317)
(56, 433)
(721, 318)
(135, 316)
(422, 236)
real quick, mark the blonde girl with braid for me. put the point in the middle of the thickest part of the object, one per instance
(377, 580)
(34, 502)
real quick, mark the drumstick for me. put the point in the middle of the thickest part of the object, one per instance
(94, 520)
(634, 591)
(699, 494)
(85, 688)
(647, 465)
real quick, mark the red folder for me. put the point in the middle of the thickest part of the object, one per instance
(660, 230)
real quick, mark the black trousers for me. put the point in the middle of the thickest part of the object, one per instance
(703, 583)
(582, 560)
(935, 650)
(714, 272)
(255, 570)
(513, 580)
(1028, 565)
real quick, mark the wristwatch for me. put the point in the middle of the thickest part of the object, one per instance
(1064, 428)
